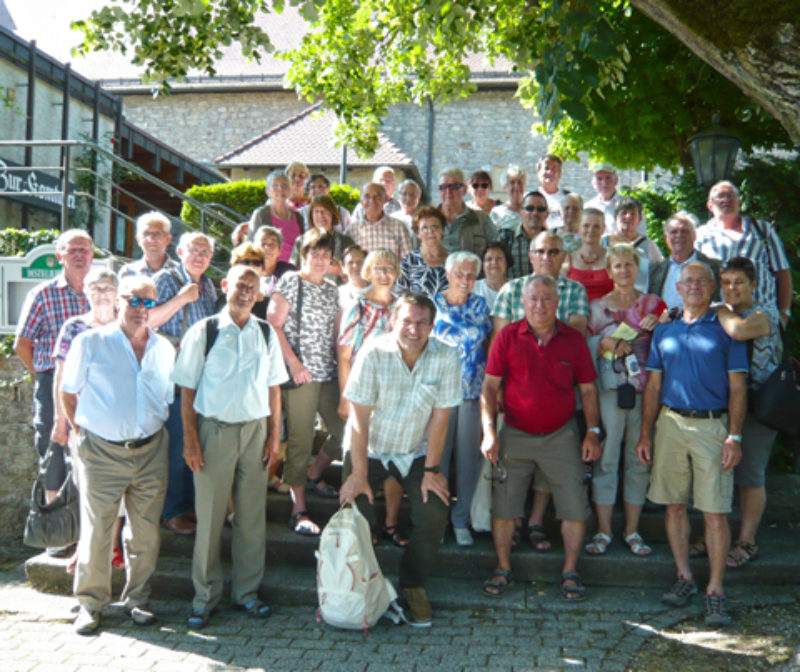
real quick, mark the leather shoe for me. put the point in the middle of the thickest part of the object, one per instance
(180, 525)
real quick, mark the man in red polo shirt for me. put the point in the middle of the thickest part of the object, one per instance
(540, 359)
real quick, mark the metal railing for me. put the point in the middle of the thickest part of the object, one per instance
(103, 169)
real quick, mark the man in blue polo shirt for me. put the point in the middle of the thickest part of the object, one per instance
(697, 374)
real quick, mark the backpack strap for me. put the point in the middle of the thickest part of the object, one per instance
(212, 331)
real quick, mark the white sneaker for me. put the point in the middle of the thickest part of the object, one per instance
(463, 536)
(87, 621)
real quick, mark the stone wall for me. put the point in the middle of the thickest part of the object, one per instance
(488, 130)
(206, 125)
(17, 454)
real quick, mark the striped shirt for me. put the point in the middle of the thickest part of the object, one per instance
(572, 301)
(168, 284)
(519, 245)
(759, 243)
(46, 308)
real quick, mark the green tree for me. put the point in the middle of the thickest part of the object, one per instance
(602, 76)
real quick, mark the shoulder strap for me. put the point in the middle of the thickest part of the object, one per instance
(759, 231)
(212, 331)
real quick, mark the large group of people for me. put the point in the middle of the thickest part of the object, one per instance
(412, 343)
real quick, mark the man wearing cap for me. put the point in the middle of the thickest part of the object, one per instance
(604, 182)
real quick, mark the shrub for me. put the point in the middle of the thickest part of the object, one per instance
(345, 195)
(18, 242)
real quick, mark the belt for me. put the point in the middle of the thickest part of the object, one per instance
(690, 413)
(134, 443)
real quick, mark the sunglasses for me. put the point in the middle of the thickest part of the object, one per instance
(251, 262)
(450, 187)
(136, 301)
(535, 208)
(480, 185)
(552, 252)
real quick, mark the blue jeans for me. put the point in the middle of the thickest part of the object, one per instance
(180, 484)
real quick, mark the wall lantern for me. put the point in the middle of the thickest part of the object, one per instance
(713, 153)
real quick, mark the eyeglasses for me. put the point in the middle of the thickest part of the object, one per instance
(384, 269)
(534, 208)
(250, 262)
(454, 186)
(200, 251)
(480, 185)
(136, 301)
(101, 289)
(551, 252)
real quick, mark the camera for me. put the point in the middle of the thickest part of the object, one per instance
(632, 364)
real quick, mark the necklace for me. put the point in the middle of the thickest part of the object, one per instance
(590, 261)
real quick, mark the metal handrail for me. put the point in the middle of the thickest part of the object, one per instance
(211, 211)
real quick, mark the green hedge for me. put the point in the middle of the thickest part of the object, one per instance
(244, 196)
(18, 242)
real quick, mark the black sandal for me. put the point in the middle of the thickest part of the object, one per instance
(499, 588)
(537, 537)
(391, 533)
(576, 593)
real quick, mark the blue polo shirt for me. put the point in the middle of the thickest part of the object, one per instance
(695, 359)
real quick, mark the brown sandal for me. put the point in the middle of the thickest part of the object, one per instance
(748, 551)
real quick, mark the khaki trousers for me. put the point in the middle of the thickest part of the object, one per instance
(233, 458)
(106, 472)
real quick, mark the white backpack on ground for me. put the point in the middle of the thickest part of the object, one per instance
(353, 593)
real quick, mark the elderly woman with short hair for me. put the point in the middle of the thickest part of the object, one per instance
(422, 270)
(297, 172)
(639, 313)
(463, 321)
(507, 215)
(323, 213)
(628, 217)
(304, 311)
(279, 213)
(369, 317)
(408, 193)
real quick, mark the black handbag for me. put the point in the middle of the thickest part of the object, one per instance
(626, 393)
(57, 523)
(776, 402)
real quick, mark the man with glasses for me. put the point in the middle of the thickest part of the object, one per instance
(184, 296)
(546, 255)
(696, 387)
(533, 221)
(231, 406)
(467, 229)
(377, 229)
(680, 233)
(154, 234)
(116, 391)
(732, 234)
(383, 176)
(539, 360)
(46, 308)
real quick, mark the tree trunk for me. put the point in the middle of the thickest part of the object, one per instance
(756, 45)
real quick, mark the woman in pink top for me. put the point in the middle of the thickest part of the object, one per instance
(278, 213)
(587, 264)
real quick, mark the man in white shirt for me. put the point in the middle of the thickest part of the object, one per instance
(401, 389)
(231, 409)
(679, 234)
(604, 182)
(116, 393)
(548, 170)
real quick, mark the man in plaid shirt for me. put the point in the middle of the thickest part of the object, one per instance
(401, 389)
(46, 308)
(184, 297)
(378, 229)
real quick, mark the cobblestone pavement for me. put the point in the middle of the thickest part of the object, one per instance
(533, 631)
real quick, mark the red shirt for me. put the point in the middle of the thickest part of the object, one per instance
(540, 380)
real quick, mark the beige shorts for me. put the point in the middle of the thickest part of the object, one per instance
(687, 453)
(557, 456)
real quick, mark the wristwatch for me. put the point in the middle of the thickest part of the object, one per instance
(434, 469)
(596, 430)
(735, 437)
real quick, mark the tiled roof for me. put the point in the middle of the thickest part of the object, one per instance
(308, 138)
